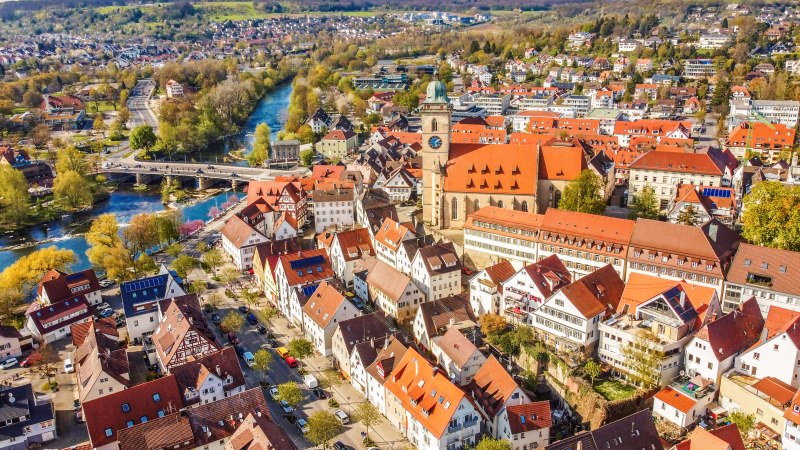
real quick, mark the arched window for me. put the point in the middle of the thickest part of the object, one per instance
(477, 205)
(454, 209)
(434, 125)
(524, 206)
(499, 203)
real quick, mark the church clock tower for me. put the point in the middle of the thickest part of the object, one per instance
(436, 117)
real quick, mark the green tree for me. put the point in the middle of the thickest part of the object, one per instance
(267, 313)
(232, 321)
(771, 216)
(70, 159)
(307, 157)
(643, 359)
(261, 146)
(688, 216)
(263, 358)
(213, 259)
(184, 264)
(744, 422)
(142, 137)
(290, 393)
(301, 348)
(71, 189)
(251, 297)
(107, 250)
(644, 205)
(98, 124)
(488, 443)
(229, 275)
(592, 369)
(323, 426)
(214, 300)
(367, 414)
(17, 280)
(198, 287)
(14, 196)
(139, 236)
(583, 194)
(166, 225)
(175, 250)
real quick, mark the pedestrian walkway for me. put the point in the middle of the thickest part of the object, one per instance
(384, 434)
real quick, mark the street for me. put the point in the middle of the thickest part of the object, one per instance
(141, 114)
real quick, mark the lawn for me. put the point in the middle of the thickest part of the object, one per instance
(613, 389)
(101, 106)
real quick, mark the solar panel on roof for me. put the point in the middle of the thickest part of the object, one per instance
(308, 290)
(306, 262)
(715, 192)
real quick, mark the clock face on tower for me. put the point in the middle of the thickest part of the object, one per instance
(435, 142)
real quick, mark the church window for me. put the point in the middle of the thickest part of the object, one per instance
(499, 203)
(454, 207)
(434, 125)
(524, 206)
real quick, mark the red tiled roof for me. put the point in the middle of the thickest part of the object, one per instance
(106, 413)
(324, 271)
(775, 389)
(323, 304)
(491, 168)
(696, 163)
(529, 417)
(735, 331)
(675, 399)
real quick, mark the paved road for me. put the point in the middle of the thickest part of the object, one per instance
(141, 114)
(205, 170)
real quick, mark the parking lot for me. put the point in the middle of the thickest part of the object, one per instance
(384, 434)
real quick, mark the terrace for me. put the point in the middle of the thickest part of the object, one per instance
(695, 387)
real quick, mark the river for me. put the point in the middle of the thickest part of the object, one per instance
(124, 204)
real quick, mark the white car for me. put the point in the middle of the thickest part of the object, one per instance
(68, 367)
(273, 393)
(9, 363)
(342, 416)
(102, 306)
(302, 424)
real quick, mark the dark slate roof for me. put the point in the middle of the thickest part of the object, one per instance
(150, 289)
(24, 403)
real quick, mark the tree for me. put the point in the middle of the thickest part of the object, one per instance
(32, 99)
(644, 205)
(98, 124)
(232, 322)
(330, 378)
(142, 137)
(262, 359)
(688, 216)
(44, 362)
(213, 259)
(492, 324)
(251, 297)
(367, 414)
(267, 313)
(290, 393)
(40, 135)
(184, 264)
(643, 359)
(107, 249)
(175, 250)
(744, 422)
(261, 146)
(592, 369)
(198, 287)
(301, 348)
(323, 426)
(14, 196)
(214, 300)
(229, 275)
(583, 194)
(71, 189)
(488, 443)
(167, 225)
(139, 236)
(771, 216)
(17, 280)
(307, 157)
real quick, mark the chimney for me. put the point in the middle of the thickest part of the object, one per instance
(219, 371)
(435, 370)
(713, 228)
(452, 321)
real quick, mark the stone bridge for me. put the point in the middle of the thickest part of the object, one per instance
(202, 172)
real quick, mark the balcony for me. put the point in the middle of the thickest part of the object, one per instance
(695, 387)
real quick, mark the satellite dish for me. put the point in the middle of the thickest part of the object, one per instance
(683, 372)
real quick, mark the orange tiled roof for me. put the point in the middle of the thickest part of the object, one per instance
(391, 233)
(760, 135)
(492, 168)
(561, 160)
(675, 399)
(641, 287)
(323, 304)
(697, 163)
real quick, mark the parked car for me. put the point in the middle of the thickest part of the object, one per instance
(287, 408)
(208, 308)
(239, 350)
(261, 329)
(102, 306)
(68, 367)
(79, 417)
(320, 393)
(291, 418)
(291, 362)
(216, 319)
(273, 343)
(25, 362)
(232, 338)
(120, 320)
(76, 404)
(243, 309)
(339, 446)
(108, 312)
(283, 352)
(273, 393)
(467, 271)
(252, 319)
(310, 381)
(342, 416)
(9, 363)
(249, 359)
(302, 425)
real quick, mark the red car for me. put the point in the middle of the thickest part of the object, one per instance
(232, 338)
(467, 271)
(25, 362)
(291, 361)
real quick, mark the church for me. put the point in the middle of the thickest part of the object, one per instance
(527, 174)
